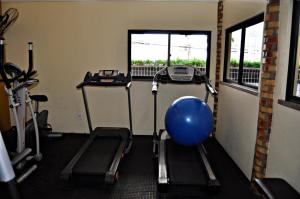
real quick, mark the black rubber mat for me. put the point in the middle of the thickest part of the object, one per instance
(97, 159)
(137, 175)
(137, 179)
(234, 184)
(184, 165)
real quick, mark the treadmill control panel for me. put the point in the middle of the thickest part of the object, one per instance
(105, 78)
(108, 73)
(181, 73)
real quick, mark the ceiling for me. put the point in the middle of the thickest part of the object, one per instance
(212, 1)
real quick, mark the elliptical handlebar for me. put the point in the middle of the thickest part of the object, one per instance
(30, 57)
(30, 71)
(19, 75)
(2, 72)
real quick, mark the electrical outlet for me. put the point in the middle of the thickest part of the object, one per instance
(79, 116)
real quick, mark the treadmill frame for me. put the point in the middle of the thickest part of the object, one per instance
(163, 178)
(124, 147)
(87, 110)
(110, 175)
(159, 143)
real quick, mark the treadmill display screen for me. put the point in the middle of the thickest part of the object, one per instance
(108, 72)
(180, 70)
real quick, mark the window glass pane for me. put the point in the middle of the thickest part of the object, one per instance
(189, 50)
(234, 55)
(297, 71)
(252, 54)
(149, 53)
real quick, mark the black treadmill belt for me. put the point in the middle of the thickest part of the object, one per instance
(184, 165)
(97, 159)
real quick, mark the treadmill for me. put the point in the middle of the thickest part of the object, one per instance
(179, 165)
(99, 157)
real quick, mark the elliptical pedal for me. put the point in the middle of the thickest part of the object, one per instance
(25, 174)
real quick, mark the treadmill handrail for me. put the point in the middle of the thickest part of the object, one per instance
(212, 179)
(158, 142)
(110, 174)
(155, 85)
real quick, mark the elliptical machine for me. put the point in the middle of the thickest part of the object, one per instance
(17, 90)
(44, 128)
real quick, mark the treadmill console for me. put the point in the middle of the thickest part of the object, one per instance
(108, 73)
(105, 78)
(181, 73)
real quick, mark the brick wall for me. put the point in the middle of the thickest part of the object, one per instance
(218, 61)
(267, 88)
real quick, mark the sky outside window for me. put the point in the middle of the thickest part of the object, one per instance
(189, 47)
(253, 42)
(149, 47)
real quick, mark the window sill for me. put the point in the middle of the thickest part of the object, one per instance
(292, 105)
(246, 89)
(142, 79)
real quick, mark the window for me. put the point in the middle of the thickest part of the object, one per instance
(151, 50)
(293, 83)
(243, 52)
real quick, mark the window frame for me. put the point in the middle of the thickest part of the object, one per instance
(240, 26)
(169, 32)
(293, 53)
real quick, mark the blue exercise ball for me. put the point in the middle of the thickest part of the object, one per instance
(189, 121)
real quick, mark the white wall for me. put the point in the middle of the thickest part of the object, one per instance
(237, 120)
(75, 37)
(236, 129)
(238, 110)
(284, 152)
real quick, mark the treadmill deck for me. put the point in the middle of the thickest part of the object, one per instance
(97, 158)
(184, 165)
